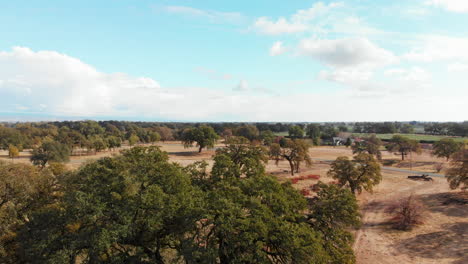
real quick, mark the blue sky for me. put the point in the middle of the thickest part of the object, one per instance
(356, 60)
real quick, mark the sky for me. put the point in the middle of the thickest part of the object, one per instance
(256, 60)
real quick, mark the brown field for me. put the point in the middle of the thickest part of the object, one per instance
(443, 238)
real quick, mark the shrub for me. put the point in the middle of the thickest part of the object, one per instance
(438, 166)
(406, 213)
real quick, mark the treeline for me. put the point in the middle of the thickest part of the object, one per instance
(98, 136)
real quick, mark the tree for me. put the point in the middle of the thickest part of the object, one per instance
(446, 147)
(24, 189)
(153, 137)
(313, 132)
(13, 152)
(227, 134)
(165, 133)
(256, 220)
(361, 173)
(239, 158)
(114, 142)
(295, 151)
(98, 143)
(133, 139)
(369, 145)
(203, 136)
(296, 132)
(406, 213)
(457, 174)
(407, 129)
(127, 209)
(267, 137)
(250, 132)
(403, 145)
(333, 212)
(50, 151)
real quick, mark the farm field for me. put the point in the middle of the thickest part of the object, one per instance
(419, 137)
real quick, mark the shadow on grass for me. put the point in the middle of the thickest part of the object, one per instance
(450, 204)
(450, 243)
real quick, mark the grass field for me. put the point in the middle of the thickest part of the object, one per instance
(418, 137)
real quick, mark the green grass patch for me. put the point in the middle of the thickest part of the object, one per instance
(418, 137)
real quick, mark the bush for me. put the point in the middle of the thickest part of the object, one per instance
(406, 213)
(438, 166)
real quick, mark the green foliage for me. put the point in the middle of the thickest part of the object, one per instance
(57, 168)
(250, 132)
(203, 136)
(140, 208)
(267, 137)
(10, 136)
(362, 173)
(295, 151)
(114, 142)
(446, 148)
(403, 145)
(257, 220)
(23, 189)
(407, 129)
(97, 143)
(457, 174)
(50, 151)
(369, 145)
(296, 132)
(153, 137)
(239, 158)
(313, 132)
(131, 208)
(133, 139)
(13, 152)
(332, 212)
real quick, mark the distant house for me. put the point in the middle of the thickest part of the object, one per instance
(341, 141)
(338, 141)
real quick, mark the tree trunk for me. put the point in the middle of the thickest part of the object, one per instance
(200, 149)
(402, 155)
(291, 164)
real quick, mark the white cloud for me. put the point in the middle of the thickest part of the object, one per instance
(281, 26)
(431, 48)
(319, 19)
(318, 9)
(346, 76)
(52, 83)
(298, 22)
(457, 67)
(416, 74)
(213, 16)
(242, 86)
(458, 6)
(277, 49)
(342, 53)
